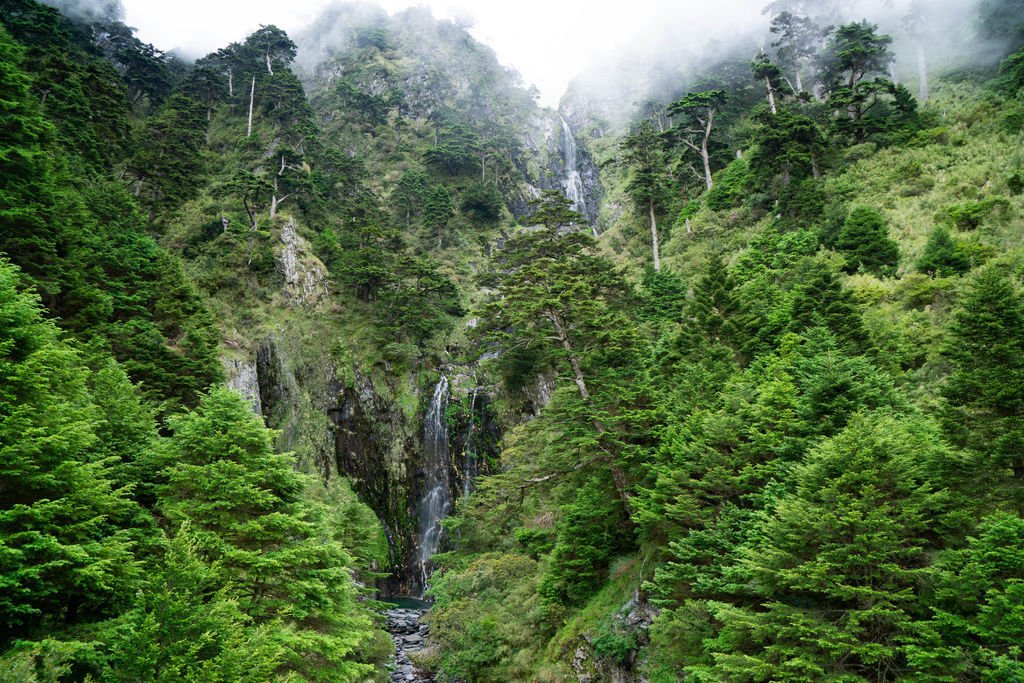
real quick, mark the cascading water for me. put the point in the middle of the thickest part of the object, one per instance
(469, 464)
(573, 182)
(436, 502)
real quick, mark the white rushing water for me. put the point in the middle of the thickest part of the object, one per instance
(573, 182)
(436, 502)
(469, 464)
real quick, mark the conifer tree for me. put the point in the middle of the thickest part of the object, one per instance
(186, 626)
(799, 39)
(985, 391)
(555, 296)
(977, 600)
(943, 255)
(855, 52)
(696, 119)
(865, 240)
(245, 506)
(27, 233)
(437, 211)
(63, 559)
(643, 152)
(836, 565)
(166, 167)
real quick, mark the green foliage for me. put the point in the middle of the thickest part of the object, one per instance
(64, 556)
(969, 215)
(1012, 71)
(437, 211)
(731, 186)
(749, 424)
(555, 293)
(276, 557)
(72, 82)
(487, 617)
(976, 602)
(410, 194)
(186, 626)
(835, 565)
(985, 390)
(643, 152)
(421, 302)
(662, 295)
(456, 152)
(789, 146)
(856, 51)
(482, 203)
(270, 45)
(590, 534)
(85, 248)
(614, 643)
(943, 255)
(799, 38)
(694, 122)
(865, 241)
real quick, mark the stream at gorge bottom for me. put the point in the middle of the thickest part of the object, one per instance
(409, 635)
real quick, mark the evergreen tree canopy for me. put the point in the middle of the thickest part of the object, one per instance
(63, 558)
(865, 241)
(985, 391)
(245, 506)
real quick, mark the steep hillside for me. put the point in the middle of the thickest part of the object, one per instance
(713, 374)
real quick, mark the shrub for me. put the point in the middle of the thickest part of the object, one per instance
(968, 215)
(731, 184)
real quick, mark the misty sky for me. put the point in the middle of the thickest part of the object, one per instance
(547, 41)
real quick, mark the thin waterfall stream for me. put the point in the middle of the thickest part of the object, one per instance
(436, 502)
(573, 181)
(469, 464)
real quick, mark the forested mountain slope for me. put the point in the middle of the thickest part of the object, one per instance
(722, 383)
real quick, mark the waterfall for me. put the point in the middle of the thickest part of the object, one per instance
(469, 464)
(436, 502)
(573, 182)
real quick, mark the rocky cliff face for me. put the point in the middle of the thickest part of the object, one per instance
(390, 93)
(557, 158)
(366, 423)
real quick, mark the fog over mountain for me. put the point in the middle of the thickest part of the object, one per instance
(618, 48)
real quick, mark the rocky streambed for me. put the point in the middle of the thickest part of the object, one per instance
(410, 636)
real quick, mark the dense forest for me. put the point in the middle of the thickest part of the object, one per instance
(714, 373)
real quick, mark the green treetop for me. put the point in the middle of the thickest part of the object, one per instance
(245, 505)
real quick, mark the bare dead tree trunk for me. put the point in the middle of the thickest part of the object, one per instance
(231, 82)
(276, 202)
(269, 69)
(771, 95)
(253, 227)
(574, 363)
(706, 158)
(704, 155)
(252, 96)
(654, 237)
